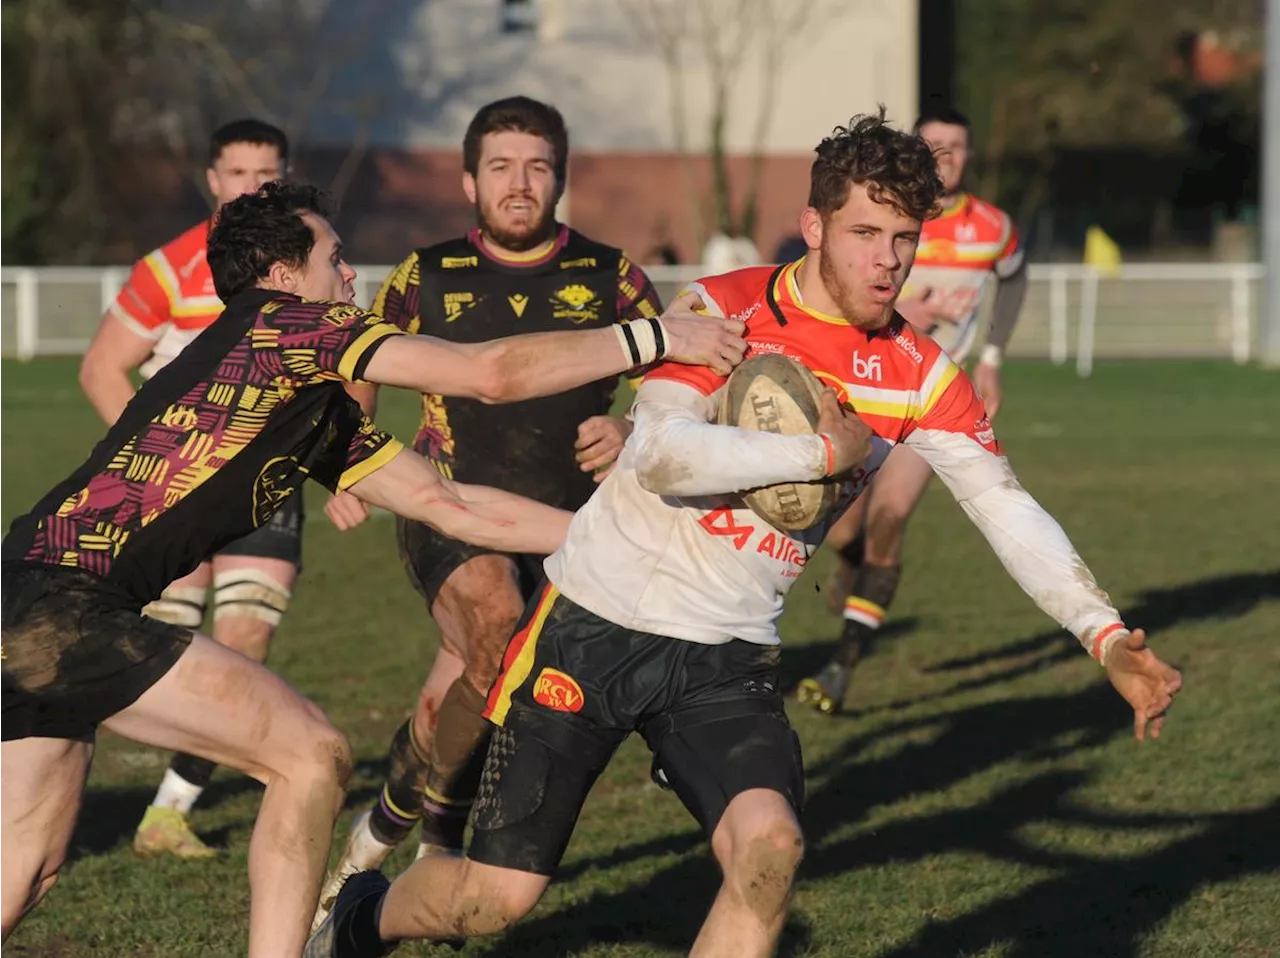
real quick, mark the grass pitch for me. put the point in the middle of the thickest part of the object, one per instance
(983, 797)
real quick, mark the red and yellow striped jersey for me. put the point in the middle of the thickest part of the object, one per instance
(169, 297)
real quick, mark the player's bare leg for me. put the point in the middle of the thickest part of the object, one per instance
(758, 845)
(250, 595)
(845, 539)
(230, 710)
(41, 783)
(894, 494)
(480, 600)
(436, 757)
(365, 847)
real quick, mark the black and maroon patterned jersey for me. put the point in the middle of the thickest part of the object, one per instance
(460, 291)
(214, 444)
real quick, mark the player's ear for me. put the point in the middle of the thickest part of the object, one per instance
(811, 227)
(469, 187)
(211, 181)
(282, 277)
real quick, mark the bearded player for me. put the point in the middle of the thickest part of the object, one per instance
(963, 249)
(518, 270)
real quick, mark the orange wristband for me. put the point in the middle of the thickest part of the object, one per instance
(1112, 629)
(831, 454)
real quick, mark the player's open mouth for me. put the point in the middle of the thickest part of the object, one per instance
(882, 292)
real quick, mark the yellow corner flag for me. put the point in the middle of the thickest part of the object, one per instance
(1101, 252)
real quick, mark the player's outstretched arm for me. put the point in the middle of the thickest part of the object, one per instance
(1036, 552)
(542, 364)
(679, 452)
(412, 487)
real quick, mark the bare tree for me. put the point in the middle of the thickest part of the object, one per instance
(282, 64)
(714, 40)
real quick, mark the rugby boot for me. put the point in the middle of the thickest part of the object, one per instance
(362, 852)
(825, 691)
(166, 831)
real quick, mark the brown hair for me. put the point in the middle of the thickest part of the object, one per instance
(898, 168)
(520, 114)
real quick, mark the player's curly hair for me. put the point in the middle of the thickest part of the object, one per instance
(898, 168)
(257, 230)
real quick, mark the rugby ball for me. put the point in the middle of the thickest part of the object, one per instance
(772, 393)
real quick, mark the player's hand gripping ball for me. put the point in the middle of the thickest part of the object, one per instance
(773, 393)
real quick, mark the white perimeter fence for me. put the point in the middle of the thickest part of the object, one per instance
(1146, 311)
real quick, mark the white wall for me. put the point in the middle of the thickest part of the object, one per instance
(445, 58)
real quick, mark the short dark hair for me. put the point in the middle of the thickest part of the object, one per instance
(940, 113)
(248, 131)
(257, 230)
(898, 168)
(520, 114)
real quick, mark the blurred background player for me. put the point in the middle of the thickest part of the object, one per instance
(168, 301)
(961, 250)
(518, 270)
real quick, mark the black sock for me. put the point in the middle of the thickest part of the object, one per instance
(357, 934)
(400, 805)
(854, 641)
(197, 771)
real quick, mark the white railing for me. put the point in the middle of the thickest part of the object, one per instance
(1145, 311)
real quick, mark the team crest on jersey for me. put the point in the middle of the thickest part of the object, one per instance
(558, 691)
(576, 303)
(340, 315)
(455, 303)
(272, 488)
(458, 262)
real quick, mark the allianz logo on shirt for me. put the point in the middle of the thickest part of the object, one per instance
(868, 368)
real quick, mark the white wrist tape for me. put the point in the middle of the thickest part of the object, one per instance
(643, 341)
(991, 355)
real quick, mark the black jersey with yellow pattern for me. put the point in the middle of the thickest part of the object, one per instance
(214, 444)
(458, 290)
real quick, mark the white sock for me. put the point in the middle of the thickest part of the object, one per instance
(176, 792)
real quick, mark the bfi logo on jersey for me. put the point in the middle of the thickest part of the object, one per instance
(557, 691)
(868, 369)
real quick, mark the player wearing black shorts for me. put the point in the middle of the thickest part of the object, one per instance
(518, 270)
(661, 609)
(168, 301)
(209, 449)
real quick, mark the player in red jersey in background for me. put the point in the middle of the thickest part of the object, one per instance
(962, 250)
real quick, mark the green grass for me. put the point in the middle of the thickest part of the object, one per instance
(984, 797)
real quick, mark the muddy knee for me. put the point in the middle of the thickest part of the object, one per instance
(487, 907)
(762, 868)
(323, 761)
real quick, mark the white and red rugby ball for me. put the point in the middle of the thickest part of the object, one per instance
(773, 393)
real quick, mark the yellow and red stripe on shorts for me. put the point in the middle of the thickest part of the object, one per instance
(517, 662)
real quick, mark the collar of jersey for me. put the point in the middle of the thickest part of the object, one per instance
(787, 281)
(958, 210)
(533, 257)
